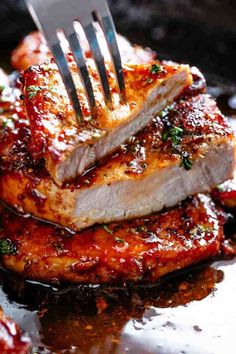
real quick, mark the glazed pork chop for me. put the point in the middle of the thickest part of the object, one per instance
(186, 150)
(33, 50)
(69, 146)
(140, 250)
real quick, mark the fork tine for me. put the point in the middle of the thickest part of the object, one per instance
(83, 71)
(109, 31)
(99, 60)
(61, 62)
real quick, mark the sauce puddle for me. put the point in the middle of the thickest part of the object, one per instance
(193, 312)
(189, 313)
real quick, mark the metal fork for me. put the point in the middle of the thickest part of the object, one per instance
(53, 15)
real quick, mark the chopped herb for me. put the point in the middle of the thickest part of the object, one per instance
(33, 90)
(106, 228)
(8, 122)
(2, 87)
(165, 135)
(174, 133)
(119, 240)
(186, 162)
(7, 247)
(155, 69)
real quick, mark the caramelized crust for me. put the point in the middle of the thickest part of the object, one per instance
(26, 184)
(33, 50)
(137, 250)
(11, 340)
(68, 145)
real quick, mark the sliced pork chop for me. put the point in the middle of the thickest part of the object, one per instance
(33, 50)
(69, 146)
(188, 149)
(140, 250)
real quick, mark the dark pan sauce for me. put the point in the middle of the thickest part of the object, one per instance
(192, 312)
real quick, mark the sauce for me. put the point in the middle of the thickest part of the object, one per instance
(190, 313)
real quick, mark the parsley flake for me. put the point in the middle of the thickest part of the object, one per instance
(174, 133)
(186, 162)
(7, 247)
(33, 90)
(8, 122)
(155, 69)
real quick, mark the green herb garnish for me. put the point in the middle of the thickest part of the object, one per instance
(106, 228)
(186, 162)
(7, 247)
(174, 133)
(155, 69)
(8, 122)
(33, 90)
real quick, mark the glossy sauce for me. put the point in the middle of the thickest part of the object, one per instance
(190, 313)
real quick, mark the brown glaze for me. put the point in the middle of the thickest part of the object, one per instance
(163, 319)
(202, 123)
(56, 133)
(11, 339)
(198, 115)
(137, 250)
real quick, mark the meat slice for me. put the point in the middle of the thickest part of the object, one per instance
(140, 250)
(69, 146)
(33, 50)
(188, 149)
(11, 339)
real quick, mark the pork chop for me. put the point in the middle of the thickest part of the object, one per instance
(69, 146)
(140, 250)
(33, 50)
(188, 149)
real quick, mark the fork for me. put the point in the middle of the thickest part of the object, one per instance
(53, 15)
